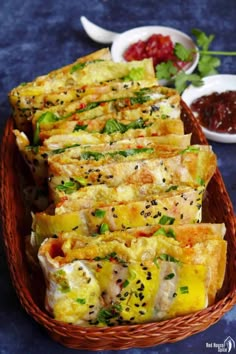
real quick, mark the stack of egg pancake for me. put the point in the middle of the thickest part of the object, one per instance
(122, 239)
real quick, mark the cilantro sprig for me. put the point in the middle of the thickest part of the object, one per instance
(207, 65)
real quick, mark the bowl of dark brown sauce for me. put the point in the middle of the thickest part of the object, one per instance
(214, 106)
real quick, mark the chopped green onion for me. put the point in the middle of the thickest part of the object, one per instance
(169, 276)
(99, 213)
(168, 258)
(172, 188)
(166, 220)
(184, 290)
(125, 284)
(103, 228)
(81, 301)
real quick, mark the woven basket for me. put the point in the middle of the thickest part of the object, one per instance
(28, 284)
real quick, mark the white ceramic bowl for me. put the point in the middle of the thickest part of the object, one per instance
(122, 41)
(215, 83)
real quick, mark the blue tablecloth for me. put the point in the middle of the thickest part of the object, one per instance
(38, 36)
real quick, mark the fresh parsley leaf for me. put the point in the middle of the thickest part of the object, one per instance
(207, 65)
(182, 80)
(203, 41)
(183, 53)
(166, 70)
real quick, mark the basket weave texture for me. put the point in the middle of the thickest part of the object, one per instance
(28, 285)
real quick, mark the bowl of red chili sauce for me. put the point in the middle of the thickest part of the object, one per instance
(156, 42)
(214, 106)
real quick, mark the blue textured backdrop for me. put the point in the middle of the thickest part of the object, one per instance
(38, 36)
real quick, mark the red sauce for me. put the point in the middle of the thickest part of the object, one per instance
(217, 111)
(56, 251)
(158, 47)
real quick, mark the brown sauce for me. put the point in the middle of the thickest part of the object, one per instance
(217, 111)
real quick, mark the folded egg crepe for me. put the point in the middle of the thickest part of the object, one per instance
(113, 124)
(191, 166)
(158, 101)
(119, 278)
(36, 158)
(124, 208)
(92, 69)
(31, 103)
(120, 237)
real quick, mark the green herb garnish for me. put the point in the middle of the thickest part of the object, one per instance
(168, 233)
(47, 117)
(125, 284)
(169, 276)
(190, 149)
(81, 301)
(135, 74)
(71, 186)
(60, 277)
(184, 290)
(168, 258)
(91, 155)
(166, 220)
(79, 127)
(61, 150)
(207, 64)
(105, 315)
(99, 213)
(103, 228)
(172, 188)
(112, 126)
